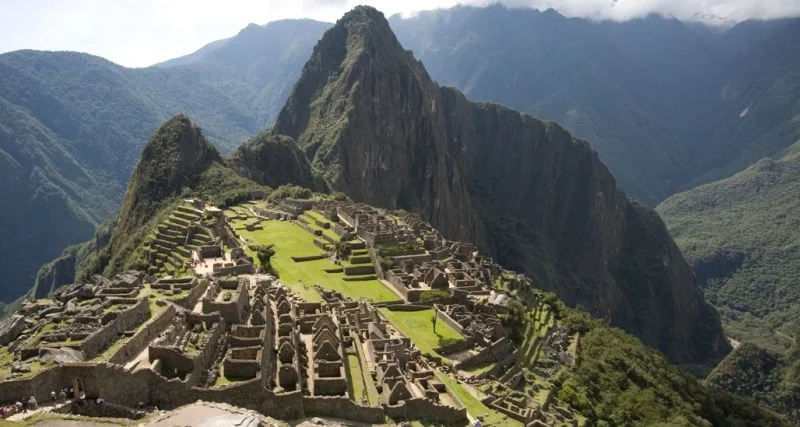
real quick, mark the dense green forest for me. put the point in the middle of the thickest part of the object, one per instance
(743, 236)
(72, 126)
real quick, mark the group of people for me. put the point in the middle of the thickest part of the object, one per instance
(31, 404)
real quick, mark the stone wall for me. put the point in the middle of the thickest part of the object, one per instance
(203, 361)
(425, 409)
(118, 386)
(497, 351)
(453, 348)
(308, 258)
(231, 311)
(39, 386)
(442, 316)
(342, 407)
(172, 360)
(235, 368)
(358, 270)
(194, 295)
(234, 270)
(212, 251)
(142, 339)
(102, 338)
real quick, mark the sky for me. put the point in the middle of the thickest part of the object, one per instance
(139, 33)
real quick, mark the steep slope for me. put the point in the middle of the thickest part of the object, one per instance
(659, 99)
(266, 59)
(741, 235)
(759, 106)
(273, 160)
(628, 87)
(553, 210)
(766, 378)
(177, 162)
(72, 126)
(369, 117)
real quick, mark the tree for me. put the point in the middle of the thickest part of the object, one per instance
(264, 254)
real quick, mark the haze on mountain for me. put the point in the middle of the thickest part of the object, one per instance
(361, 129)
(72, 125)
(646, 122)
(741, 235)
(372, 124)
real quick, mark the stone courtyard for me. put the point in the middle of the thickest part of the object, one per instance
(222, 328)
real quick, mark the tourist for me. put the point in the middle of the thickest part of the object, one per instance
(32, 403)
(20, 407)
(63, 395)
(53, 396)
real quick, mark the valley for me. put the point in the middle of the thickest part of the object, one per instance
(375, 234)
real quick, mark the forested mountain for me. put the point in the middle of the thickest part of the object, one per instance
(741, 234)
(667, 104)
(373, 123)
(616, 380)
(768, 378)
(71, 126)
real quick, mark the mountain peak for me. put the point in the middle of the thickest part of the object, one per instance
(172, 159)
(179, 140)
(371, 120)
(363, 15)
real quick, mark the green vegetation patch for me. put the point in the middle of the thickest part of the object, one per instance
(357, 388)
(418, 325)
(743, 236)
(474, 406)
(288, 240)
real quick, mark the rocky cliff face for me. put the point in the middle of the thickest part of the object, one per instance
(551, 208)
(370, 118)
(172, 159)
(273, 160)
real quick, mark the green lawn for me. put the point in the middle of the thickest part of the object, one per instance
(474, 406)
(310, 216)
(356, 378)
(417, 326)
(290, 240)
(477, 370)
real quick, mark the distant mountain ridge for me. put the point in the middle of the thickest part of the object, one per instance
(740, 233)
(374, 124)
(551, 68)
(72, 125)
(659, 99)
(617, 380)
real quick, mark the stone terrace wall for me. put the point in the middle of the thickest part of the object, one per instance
(427, 410)
(444, 317)
(116, 385)
(342, 407)
(39, 386)
(142, 339)
(101, 339)
(496, 351)
(194, 295)
(205, 358)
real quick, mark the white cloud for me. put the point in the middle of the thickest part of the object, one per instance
(143, 32)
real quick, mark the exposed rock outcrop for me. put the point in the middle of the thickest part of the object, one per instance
(273, 160)
(369, 117)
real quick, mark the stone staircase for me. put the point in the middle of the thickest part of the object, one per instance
(174, 239)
